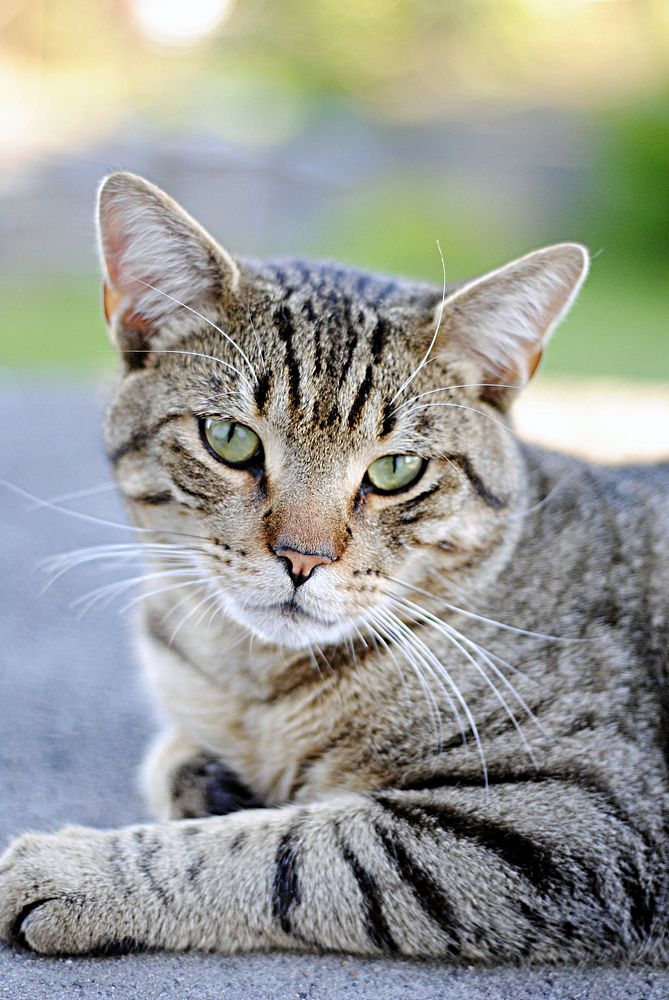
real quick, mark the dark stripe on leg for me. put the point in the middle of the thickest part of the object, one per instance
(429, 895)
(376, 924)
(532, 861)
(147, 848)
(286, 892)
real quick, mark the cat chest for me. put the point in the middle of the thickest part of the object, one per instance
(283, 751)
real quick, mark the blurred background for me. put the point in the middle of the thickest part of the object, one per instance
(358, 129)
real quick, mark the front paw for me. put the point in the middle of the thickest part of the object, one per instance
(182, 782)
(204, 786)
(58, 894)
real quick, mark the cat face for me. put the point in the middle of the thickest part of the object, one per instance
(314, 436)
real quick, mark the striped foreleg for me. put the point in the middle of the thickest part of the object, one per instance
(432, 875)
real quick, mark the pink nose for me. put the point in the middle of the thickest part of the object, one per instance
(302, 563)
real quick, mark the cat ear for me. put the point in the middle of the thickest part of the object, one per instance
(154, 257)
(503, 320)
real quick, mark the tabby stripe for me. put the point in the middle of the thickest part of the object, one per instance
(534, 862)
(379, 339)
(479, 486)
(351, 344)
(581, 779)
(205, 498)
(361, 396)
(286, 892)
(333, 417)
(284, 326)
(361, 284)
(642, 901)
(153, 499)
(318, 362)
(386, 291)
(119, 866)
(388, 419)
(519, 852)
(261, 391)
(238, 842)
(144, 862)
(428, 894)
(141, 438)
(377, 926)
(196, 867)
(194, 468)
(408, 504)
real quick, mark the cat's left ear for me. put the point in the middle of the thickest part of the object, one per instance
(503, 320)
(156, 260)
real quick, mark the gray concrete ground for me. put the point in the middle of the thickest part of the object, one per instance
(73, 722)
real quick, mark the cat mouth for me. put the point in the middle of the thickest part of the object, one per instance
(291, 611)
(288, 624)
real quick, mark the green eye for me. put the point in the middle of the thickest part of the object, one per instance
(234, 443)
(394, 472)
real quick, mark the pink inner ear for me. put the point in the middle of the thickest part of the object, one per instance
(115, 247)
(122, 288)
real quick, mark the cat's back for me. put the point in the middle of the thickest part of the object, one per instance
(600, 533)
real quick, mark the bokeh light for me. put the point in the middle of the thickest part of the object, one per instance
(180, 22)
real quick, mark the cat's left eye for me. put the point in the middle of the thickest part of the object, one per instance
(234, 443)
(394, 473)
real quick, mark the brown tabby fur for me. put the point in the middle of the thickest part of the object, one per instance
(450, 741)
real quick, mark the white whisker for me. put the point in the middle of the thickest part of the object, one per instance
(112, 590)
(482, 618)
(80, 494)
(205, 319)
(449, 388)
(193, 354)
(81, 516)
(443, 672)
(440, 315)
(460, 642)
(462, 406)
(385, 628)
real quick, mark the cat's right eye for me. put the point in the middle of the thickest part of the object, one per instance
(394, 473)
(233, 443)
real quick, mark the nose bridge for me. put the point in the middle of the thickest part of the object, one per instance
(307, 525)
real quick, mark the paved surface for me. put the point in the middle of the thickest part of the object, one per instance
(73, 723)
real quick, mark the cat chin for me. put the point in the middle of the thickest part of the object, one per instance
(296, 630)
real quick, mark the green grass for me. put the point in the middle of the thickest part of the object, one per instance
(618, 327)
(53, 325)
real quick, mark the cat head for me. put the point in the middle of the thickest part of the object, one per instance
(318, 440)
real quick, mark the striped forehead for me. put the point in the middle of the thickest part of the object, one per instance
(336, 356)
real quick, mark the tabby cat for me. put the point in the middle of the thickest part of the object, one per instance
(413, 671)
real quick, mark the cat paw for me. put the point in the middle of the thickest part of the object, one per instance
(57, 895)
(204, 786)
(180, 781)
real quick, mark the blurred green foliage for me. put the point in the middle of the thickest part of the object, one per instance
(272, 70)
(627, 205)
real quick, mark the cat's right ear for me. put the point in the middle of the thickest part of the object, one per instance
(155, 259)
(503, 320)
